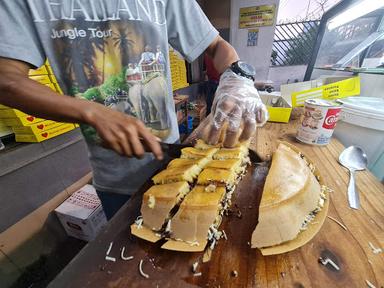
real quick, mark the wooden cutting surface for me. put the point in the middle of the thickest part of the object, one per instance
(349, 249)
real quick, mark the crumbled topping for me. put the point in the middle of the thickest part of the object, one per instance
(139, 222)
(313, 214)
(194, 266)
(109, 248)
(326, 261)
(370, 285)
(374, 249)
(151, 201)
(141, 270)
(125, 258)
(109, 258)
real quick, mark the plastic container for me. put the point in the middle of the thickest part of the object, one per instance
(362, 123)
(190, 124)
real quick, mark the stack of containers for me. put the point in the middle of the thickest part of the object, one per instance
(28, 128)
(5, 130)
(178, 71)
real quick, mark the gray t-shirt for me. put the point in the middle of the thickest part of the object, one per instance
(106, 51)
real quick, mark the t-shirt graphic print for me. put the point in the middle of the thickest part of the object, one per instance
(121, 65)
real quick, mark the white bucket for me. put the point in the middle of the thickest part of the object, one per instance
(361, 123)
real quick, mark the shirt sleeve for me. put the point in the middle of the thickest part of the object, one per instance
(19, 39)
(189, 30)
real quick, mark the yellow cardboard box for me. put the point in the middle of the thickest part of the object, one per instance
(40, 71)
(43, 79)
(11, 113)
(51, 85)
(53, 78)
(49, 68)
(279, 110)
(4, 107)
(45, 135)
(22, 121)
(58, 89)
(5, 131)
(36, 128)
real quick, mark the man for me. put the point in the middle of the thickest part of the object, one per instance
(212, 83)
(89, 45)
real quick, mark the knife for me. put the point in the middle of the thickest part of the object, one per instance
(172, 150)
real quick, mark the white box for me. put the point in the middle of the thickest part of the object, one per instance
(82, 215)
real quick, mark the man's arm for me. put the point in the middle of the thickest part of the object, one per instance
(119, 132)
(222, 54)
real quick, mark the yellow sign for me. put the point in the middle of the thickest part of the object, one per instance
(340, 89)
(256, 16)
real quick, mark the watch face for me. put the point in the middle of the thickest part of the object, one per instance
(246, 68)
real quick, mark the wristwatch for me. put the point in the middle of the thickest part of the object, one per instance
(243, 69)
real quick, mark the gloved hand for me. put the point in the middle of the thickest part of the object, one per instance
(237, 105)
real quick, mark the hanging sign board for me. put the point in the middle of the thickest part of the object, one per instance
(256, 16)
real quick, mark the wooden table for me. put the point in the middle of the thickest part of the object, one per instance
(350, 249)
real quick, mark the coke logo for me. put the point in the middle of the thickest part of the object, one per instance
(331, 118)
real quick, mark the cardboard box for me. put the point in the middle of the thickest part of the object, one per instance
(40, 71)
(36, 128)
(51, 85)
(48, 134)
(53, 78)
(22, 121)
(82, 215)
(4, 107)
(279, 109)
(49, 68)
(42, 79)
(57, 88)
(11, 113)
(5, 130)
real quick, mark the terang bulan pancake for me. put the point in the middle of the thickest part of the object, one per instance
(159, 200)
(291, 197)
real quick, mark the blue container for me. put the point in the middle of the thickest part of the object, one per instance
(190, 124)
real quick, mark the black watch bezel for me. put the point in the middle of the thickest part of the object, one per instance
(243, 69)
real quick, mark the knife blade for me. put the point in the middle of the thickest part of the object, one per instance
(173, 150)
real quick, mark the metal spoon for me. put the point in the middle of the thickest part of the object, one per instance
(354, 159)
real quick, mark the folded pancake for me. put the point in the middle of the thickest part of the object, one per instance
(196, 214)
(193, 153)
(218, 177)
(233, 165)
(291, 193)
(200, 144)
(159, 200)
(179, 162)
(176, 174)
(231, 153)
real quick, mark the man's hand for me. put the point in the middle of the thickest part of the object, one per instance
(124, 134)
(236, 105)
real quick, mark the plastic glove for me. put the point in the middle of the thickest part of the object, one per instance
(238, 108)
